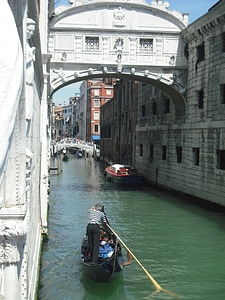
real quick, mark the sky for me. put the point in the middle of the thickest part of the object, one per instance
(195, 8)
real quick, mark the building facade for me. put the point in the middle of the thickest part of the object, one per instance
(24, 154)
(186, 152)
(57, 124)
(98, 92)
(118, 120)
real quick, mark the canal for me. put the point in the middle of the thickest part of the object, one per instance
(180, 244)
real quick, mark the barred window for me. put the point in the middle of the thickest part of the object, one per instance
(195, 156)
(167, 106)
(220, 159)
(143, 111)
(201, 52)
(141, 149)
(222, 93)
(179, 154)
(163, 152)
(146, 45)
(200, 98)
(223, 41)
(91, 43)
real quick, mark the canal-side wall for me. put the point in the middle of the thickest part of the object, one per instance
(24, 149)
(187, 153)
(184, 152)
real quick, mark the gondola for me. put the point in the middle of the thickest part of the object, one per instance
(106, 268)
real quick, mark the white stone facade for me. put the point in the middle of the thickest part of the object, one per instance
(129, 39)
(24, 149)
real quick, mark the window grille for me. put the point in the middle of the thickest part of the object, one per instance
(146, 45)
(91, 43)
(223, 41)
(195, 156)
(201, 52)
(222, 93)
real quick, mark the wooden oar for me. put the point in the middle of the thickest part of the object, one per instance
(157, 286)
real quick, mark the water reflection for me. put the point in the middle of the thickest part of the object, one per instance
(179, 243)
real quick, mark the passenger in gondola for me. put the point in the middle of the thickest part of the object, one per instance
(96, 218)
(105, 249)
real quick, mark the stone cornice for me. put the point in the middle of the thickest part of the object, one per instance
(194, 33)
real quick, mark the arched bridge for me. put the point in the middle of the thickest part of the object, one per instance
(74, 144)
(119, 39)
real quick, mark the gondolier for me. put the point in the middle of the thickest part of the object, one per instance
(96, 217)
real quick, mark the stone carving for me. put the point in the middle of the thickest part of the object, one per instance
(10, 236)
(119, 68)
(119, 13)
(29, 156)
(105, 70)
(64, 56)
(119, 49)
(119, 17)
(177, 82)
(160, 4)
(60, 74)
(172, 60)
(30, 58)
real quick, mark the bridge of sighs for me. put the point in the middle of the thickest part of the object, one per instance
(119, 39)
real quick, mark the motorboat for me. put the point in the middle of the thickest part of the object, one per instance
(123, 174)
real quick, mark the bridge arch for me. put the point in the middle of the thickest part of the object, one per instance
(125, 39)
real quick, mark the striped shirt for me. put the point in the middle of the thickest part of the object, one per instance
(96, 217)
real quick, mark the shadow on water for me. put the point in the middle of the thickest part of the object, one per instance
(179, 241)
(110, 290)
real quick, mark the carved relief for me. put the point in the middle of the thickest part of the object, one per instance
(119, 13)
(59, 75)
(30, 58)
(119, 49)
(119, 17)
(177, 81)
(11, 235)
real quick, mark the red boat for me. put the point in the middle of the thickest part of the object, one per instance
(123, 174)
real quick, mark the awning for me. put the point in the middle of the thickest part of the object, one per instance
(96, 137)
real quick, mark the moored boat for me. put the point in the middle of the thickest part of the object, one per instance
(79, 154)
(123, 174)
(65, 156)
(106, 267)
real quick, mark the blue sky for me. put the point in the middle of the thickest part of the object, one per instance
(195, 8)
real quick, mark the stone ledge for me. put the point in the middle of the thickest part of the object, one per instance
(13, 213)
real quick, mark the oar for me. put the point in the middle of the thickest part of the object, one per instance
(157, 286)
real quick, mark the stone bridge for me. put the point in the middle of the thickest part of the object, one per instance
(88, 148)
(125, 39)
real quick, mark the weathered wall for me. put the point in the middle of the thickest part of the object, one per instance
(185, 153)
(23, 188)
(201, 128)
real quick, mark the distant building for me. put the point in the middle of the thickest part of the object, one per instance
(57, 128)
(81, 112)
(68, 119)
(94, 93)
(118, 123)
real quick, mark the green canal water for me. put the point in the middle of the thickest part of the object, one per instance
(181, 244)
